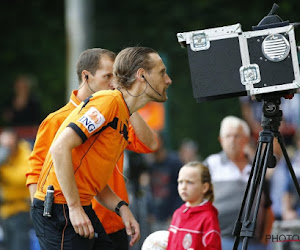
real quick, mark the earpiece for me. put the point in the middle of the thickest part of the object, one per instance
(86, 78)
(151, 86)
(145, 88)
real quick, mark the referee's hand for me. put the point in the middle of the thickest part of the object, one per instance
(132, 226)
(81, 222)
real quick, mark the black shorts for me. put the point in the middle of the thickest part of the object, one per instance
(120, 239)
(56, 232)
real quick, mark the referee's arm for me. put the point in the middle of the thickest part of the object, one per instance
(110, 200)
(61, 151)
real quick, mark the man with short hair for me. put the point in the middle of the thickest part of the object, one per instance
(230, 171)
(97, 132)
(99, 63)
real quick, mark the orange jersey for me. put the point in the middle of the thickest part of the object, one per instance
(46, 133)
(110, 220)
(101, 121)
(45, 136)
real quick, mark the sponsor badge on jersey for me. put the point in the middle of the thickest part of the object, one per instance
(187, 241)
(92, 119)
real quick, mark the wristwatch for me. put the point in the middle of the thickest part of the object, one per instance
(119, 205)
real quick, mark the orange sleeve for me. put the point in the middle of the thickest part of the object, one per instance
(135, 144)
(44, 138)
(92, 116)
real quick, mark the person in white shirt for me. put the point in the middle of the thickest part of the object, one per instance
(230, 170)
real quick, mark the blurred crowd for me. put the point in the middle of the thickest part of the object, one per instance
(155, 196)
(152, 179)
(20, 117)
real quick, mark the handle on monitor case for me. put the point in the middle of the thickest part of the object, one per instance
(271, 20)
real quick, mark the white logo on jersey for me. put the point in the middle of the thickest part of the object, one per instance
(92, 119)
(187, 241)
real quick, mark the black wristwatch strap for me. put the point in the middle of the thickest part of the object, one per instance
(119, 205)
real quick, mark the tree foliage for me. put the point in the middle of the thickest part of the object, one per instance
(33, 40)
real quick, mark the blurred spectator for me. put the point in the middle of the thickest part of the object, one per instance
(24, 107)
(135, 167)
(138, 186)
(252, 111)
(230, 171)
(15, 202)
(154, 114)
(291, 199)
(188, 151)
(163, 180)
(278, 180)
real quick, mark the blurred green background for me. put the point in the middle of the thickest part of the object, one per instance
(34, 41)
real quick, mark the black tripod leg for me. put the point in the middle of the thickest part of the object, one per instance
(238, 224)
(245, 227)
(287, 159)
(252, 182)
(248, 227)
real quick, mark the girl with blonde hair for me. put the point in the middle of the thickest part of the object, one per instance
(195, 224)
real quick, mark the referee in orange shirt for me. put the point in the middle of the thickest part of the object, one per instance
(97, 118)
(99, 62)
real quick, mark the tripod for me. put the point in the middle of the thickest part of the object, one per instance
(271, 118)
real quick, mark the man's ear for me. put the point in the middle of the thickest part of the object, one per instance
(84, 75)
(140, 74)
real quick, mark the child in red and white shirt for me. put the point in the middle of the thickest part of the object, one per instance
(195, 224)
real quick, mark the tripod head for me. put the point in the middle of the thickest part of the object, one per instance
(271, 112)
